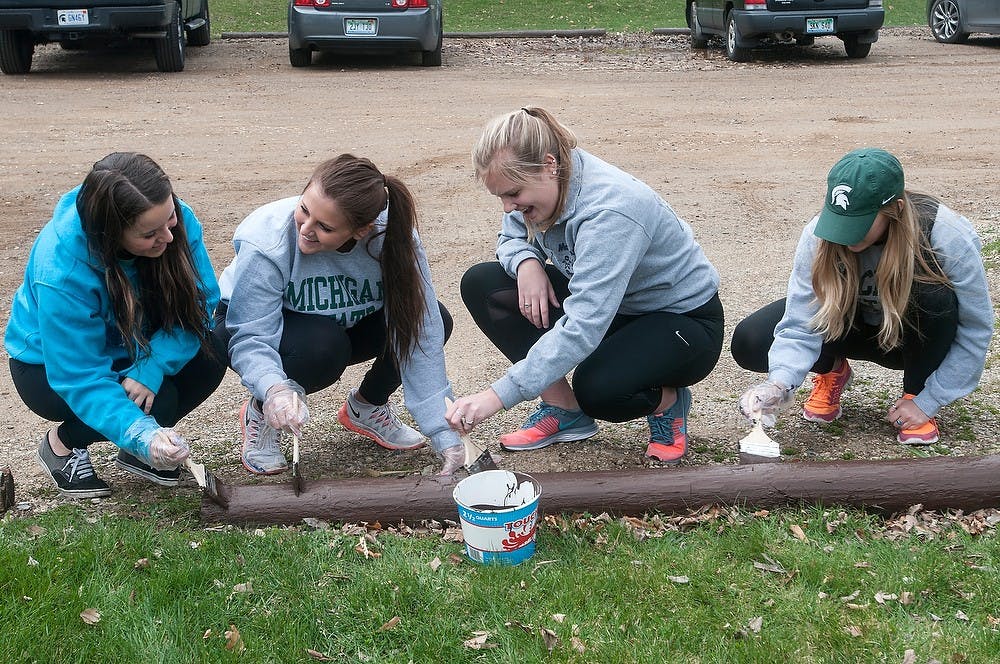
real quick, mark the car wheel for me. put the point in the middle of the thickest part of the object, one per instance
(734, 52)
(698, 38)
(169, 50)
(300, 57)
(16, 49)
(201, 36)
(945, 21)
(433, 58)
(855, 49)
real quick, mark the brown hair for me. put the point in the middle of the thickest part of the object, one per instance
(906, 258)
(115, 193)
(362, 192)
(514, 145)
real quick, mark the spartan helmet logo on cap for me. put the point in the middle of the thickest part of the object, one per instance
(838, 196)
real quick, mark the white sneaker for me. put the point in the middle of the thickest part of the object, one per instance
(380, 423)
(261, 452)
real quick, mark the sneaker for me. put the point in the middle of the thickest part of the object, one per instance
(823, 404)
(261, 454)
(549, 424)
(131, 464)
(925, 434)
(668, 440)
(380, 423)
(74, 473)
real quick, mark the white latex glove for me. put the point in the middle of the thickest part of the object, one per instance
(453, 458)
(167, 449)
(765, 401)
(285, 407)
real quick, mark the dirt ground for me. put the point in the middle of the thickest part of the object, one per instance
(740, 150)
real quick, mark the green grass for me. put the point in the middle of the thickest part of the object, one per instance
(287, 591)
(493, 15)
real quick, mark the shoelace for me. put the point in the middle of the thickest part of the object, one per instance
(384, 418)
(256, 420)
(661, 429)
(79, 464)
(544, 411)
(823, 387)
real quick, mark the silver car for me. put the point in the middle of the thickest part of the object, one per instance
(364, 26)
(951, 21)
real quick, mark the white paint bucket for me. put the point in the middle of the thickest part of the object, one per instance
(498, 510)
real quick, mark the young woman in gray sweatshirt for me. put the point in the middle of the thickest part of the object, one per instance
(324, 280)
(596, 275)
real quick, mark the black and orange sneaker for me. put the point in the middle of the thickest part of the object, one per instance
(823, 404)
(668, 439)
(925, 434)
(549, 424)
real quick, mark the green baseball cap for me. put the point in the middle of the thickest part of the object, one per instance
(858, 186)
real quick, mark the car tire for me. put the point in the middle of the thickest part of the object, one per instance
(16, 49)
(698, 38)
(945, 22)
(300, 57)
(169, 50)
(856, 49)
(201, 36)
(433, 58)
(733, 52)
(805, 40)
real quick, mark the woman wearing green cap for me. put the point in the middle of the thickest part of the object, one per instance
(882, 274)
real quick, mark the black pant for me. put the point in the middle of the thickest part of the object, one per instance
(178, 395)
(931, 321)
(621, 379)
(315, 350)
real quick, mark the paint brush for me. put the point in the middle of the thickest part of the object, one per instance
(210, 485)
(296, 476)
(476, 459)
(757, 446)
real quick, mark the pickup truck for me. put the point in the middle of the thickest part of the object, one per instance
(748, 24)
(168, 25)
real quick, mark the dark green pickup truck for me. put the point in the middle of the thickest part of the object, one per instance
(168, 25)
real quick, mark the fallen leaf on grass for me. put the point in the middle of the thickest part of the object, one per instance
(363, 549)
(34, 530)
(435, 564)
(852, 596)
(906, 598)
(881, 597)
(853, 630)
(243, 587)
(577, 645)
(208, 633)
(478, 641)
(909, 656)
(32, 562)
(389, 624)
(233, 639)
(755, 624)
(798, 532)
(549, 638)
(679, 579)
(455, 559)
(961, 615)
(559, 617)
(142, 563)
(317, 655)
(90, 616)
(770, 566)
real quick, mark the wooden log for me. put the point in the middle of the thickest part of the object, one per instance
(966, 483)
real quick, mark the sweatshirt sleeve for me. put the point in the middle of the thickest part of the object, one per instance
(596, 287)
(513, 247)
(959, 251)
(797, 345)
(254, 318)
(425, 382)
(169, 351)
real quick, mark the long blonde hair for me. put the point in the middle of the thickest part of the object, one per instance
(906, 258)
(514, 146)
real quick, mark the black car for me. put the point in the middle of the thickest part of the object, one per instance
(748, 24)
(951, 21)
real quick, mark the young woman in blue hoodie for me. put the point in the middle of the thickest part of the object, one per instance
(110, 333)
(596, 275)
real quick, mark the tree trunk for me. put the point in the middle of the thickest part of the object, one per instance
(966, 483)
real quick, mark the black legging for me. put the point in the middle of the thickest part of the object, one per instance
(315, 350)
(928, 333)
(178, 395)
(621, 379)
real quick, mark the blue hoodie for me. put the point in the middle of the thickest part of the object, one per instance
(61, 318)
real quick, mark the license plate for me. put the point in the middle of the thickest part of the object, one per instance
(73, 17)
(819, 26)
(367, 27)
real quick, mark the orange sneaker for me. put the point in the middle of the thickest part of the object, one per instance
(823, 404)
(925, 434)
(668, 436)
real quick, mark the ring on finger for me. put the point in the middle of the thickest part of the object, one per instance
(899, 422)
(526, 305)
